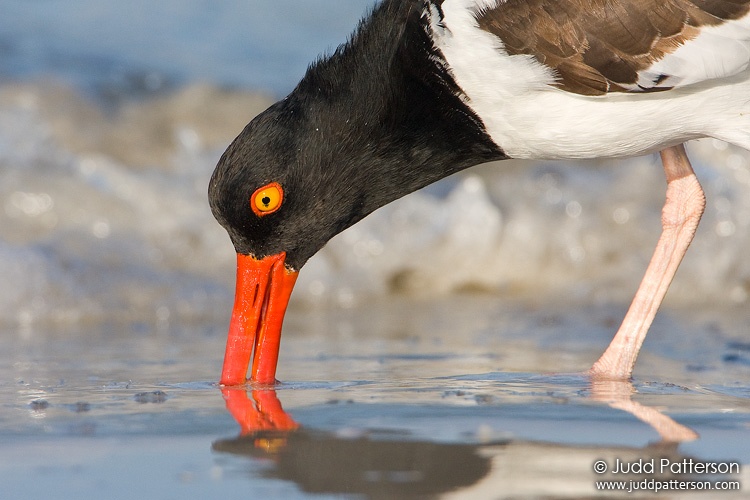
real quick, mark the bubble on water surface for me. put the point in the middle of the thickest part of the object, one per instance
(151, 397)
(39, 405)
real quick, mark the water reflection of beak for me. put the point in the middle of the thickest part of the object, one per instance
(262, 414)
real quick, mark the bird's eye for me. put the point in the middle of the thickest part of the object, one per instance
(267, 199)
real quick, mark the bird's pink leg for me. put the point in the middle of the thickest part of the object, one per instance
(680, 217)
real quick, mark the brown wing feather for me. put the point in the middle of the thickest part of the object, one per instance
(600, 46)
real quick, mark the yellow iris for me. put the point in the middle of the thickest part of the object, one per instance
(267, 199)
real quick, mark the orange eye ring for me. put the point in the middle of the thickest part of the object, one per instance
(267, 199)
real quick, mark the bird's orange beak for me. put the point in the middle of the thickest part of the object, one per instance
(263, 290)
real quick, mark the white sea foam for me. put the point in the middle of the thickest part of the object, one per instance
(105, 218)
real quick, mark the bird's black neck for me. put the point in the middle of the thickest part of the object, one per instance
(387, 104)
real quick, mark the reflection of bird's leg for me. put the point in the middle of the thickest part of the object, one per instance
(680, 217)
(617, 394)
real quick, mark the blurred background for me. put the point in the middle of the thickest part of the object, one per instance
(114, 114)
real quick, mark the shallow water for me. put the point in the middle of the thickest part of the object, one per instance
(454, 373)
(458, 396)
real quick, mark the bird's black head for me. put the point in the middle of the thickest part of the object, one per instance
(281, 186)
(378, 119)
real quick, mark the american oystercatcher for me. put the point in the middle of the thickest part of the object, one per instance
(425, 88)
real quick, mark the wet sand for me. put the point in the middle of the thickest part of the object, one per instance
(472, 396)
